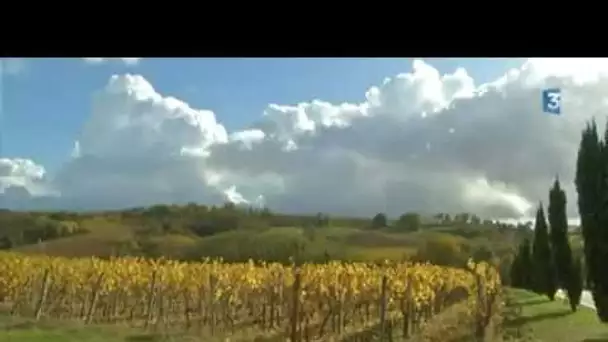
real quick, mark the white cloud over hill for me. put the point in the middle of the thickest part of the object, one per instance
(419, 141)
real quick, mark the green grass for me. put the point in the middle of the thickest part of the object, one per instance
(56, 336)
(539, 319)
(101, 239)
(16, 329)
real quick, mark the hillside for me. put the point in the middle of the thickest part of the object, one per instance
(236, 235)
(193, 232)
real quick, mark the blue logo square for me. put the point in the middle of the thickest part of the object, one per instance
(552, 101)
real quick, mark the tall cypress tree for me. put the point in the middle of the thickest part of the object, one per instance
(600, 234)
(587, 181)
(562, 253)
(544, 272)
(591, 172)
(600, 290)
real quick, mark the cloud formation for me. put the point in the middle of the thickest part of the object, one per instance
(419, 141)
(20, 172)
(101, 60)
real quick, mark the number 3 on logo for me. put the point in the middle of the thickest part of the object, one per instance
(552, 101)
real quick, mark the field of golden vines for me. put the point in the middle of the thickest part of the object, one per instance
(309, 302)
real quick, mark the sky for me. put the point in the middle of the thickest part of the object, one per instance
(346, 136)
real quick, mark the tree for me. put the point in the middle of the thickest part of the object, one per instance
(515, 273)
(6, 243)
(544, 272)
(379, 221)
(521, 268)
(562, 253)
(442, 250)
(587, 179)
(442, 218)
(158, 211)
(483, 253)
(321, 220)
(438, 217)
(505, 264)
(462, 217)
(409, 222)
(592, 190)
(575, 284)
(528, 264)
(600, 283)
(475, 220)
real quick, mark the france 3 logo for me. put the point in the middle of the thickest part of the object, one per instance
(552, 101)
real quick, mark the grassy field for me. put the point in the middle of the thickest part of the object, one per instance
(101, 239)
(21, 330)
(15, 329)
(535, 318)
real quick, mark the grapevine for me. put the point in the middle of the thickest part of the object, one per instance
(311, 300)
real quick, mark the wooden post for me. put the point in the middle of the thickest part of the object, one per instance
(295, 314)
(383, 303)
(43, 293)
(151, 293)
(94, 299)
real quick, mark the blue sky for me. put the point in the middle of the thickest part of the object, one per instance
(46, 101)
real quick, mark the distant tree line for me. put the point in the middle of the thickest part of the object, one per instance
(411, 221)
(18, 229)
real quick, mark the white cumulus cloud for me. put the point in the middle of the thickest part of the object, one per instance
(419, 141)
(23, 174)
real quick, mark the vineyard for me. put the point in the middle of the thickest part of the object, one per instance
(272, 302)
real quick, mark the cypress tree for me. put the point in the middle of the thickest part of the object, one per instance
(591, 172)
(586, 186)
(544, 272)
(600, 272)
(575, 284)
(562, 253)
